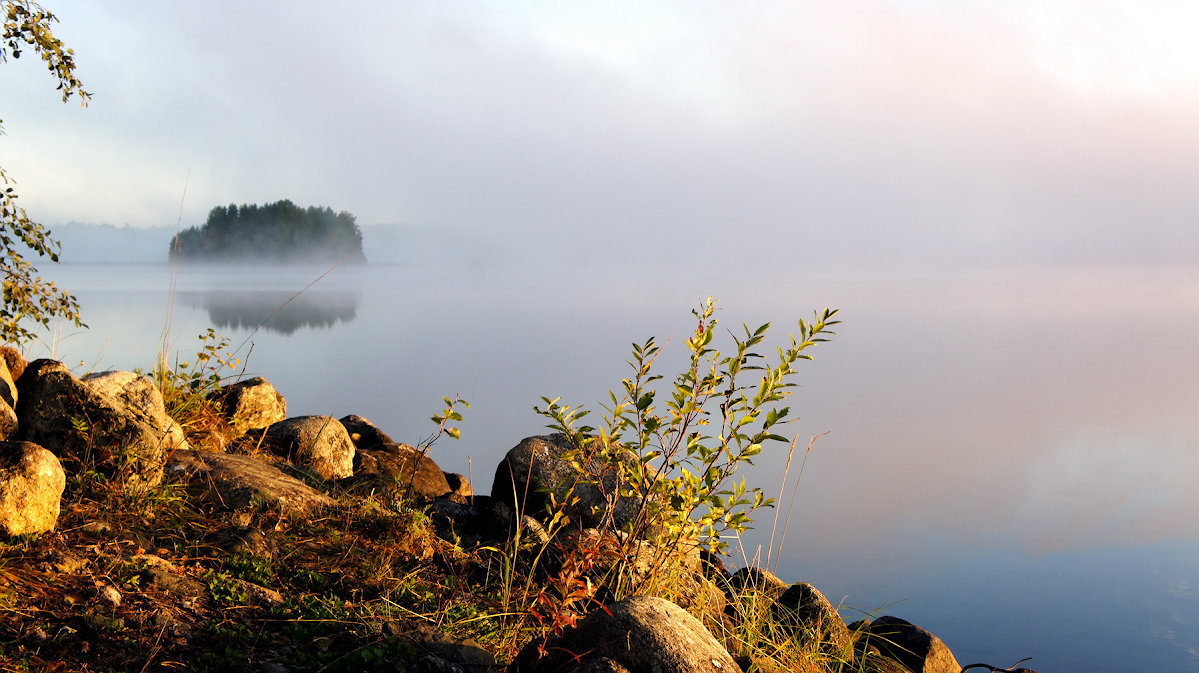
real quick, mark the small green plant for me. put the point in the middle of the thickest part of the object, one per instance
(201, 375)
(680, 459)
(187, 387)
(225, 589)
(251, 568)
(450, 414)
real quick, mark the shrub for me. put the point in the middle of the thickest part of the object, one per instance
(687, 450)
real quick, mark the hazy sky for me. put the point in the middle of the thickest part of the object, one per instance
(906, 132)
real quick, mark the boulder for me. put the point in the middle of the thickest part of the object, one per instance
(543, 465)
(399, 468)
(317, 442)
(31, 485)
(13, 360)
(917, 649)
(112, 423)
(802, 608)
(252, 404)
(138, 392)
(366, 435)
(8, 402)
(642, 634)
(754, 579)
(234, 482)
(459, 486)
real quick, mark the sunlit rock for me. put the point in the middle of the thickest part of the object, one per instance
(803, 609)
(912, 646)
(31, 485)
(234, 482)
(366, 435)
(399, 468)
(8, 403)
(540, 466)
(112, 424)
(252, 404)
(138, 392)
(642, 633)
(317, 442)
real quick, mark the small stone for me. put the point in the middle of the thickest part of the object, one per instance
(65, 563)
(97, 528)
(108, 596)
(151, 561)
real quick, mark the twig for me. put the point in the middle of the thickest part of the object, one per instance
(993, 669)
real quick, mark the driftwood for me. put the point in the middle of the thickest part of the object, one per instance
(1001, 670)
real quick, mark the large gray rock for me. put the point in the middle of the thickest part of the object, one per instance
(641, 634)
(803, 609)
(917, 649)
(234, 482)
(540, 466)
(252, 404)
(31, 485)
(401, 469)
(114, 425)
(318, 442)
(137, 391)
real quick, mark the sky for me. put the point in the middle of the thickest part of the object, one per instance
(873, 132)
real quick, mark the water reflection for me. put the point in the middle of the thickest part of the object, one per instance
(1012, 456)
(275, 311)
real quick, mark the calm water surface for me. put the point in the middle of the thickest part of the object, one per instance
(1010, 456)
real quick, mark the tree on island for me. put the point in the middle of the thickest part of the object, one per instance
(275, 232)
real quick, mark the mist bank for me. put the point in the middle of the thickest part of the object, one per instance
(438, 246)
(402, 244)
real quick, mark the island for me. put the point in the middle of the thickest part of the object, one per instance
(279, 232)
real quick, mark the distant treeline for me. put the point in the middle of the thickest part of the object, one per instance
(275, 232)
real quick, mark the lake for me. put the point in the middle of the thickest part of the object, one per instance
(1010, 455)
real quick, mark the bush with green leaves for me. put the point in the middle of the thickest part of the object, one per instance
(28, 298)
(678, 446)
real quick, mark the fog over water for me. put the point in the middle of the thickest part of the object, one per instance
(999, 196)
(1007, 453)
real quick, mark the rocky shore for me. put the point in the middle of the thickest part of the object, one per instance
(255, 541)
